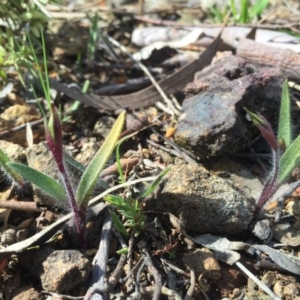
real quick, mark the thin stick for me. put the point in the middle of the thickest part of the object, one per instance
(20, 127)
(258, 282)
(21, 205)
(101, 259)
(189, 294)
(154, 272)
(154, 82)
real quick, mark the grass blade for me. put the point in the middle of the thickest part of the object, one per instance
(119, 225)
(284, 127)
(244, 11)
(258, 8)
(154, 184)
(289, 160)
(41, 180)
(93, 170)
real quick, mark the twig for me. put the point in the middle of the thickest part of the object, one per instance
(20, 127)
(174, 268)
(21, 205)
(148, 290)
(60, 296)
(258, 282)
(189, 294)
(126, 163)
(169, 150)
(179, 25)
(117, 273)
(185, 154)
(170, 277)
(202, 287)
(129, 255)
(101, 258)
(154, 82)
(138, 276)
(132, 270)
(154, 272)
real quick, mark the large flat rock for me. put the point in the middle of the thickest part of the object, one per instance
(202, 201)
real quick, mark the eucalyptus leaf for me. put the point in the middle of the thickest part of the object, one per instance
(284, 127)
(93, 170)
(41, 180)
(289, 160)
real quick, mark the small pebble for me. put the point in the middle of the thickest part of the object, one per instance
(154, 138)
(235, 293)
(278, 289)
(8, 237)
(290, 291)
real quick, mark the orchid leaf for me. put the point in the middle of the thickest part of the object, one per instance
(289, 160)
(80, 168)
(4, 160)
(41, 180)
(284, 127)
(265, 128)
(93, 170)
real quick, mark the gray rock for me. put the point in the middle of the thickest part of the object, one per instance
(202, 201)
(240, 176)
(64, 270)
(14, 151)
(213, 121)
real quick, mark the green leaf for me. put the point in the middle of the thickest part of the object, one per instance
(284, 127)
(115, 200)
(119, 225)
(123, 251)
(233, 9)
(80, 168)
(93, 170)
(4, 160)
(154, 184)
(289, 160)
(258, 8)
(41, 180)
(244, 11)
(74, 163)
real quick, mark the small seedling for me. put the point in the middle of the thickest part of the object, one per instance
(77, 198)
(131, 210)
(243, 13)
(285, 152)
